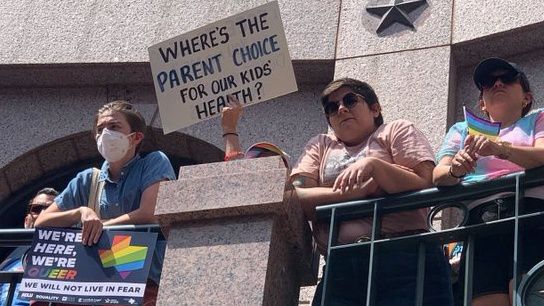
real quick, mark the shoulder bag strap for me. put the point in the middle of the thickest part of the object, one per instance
(95, 192)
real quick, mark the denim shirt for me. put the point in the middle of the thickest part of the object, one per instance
(124, 195)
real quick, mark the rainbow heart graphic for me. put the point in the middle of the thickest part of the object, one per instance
(123, 256)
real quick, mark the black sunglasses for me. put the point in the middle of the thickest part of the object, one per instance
(507, 78)
(349, 101)
(37, 208)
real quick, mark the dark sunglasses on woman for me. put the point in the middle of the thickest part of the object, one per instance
(37, 208)
(509, 77)
(349, 101)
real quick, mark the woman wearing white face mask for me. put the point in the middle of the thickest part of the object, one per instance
(131, 182)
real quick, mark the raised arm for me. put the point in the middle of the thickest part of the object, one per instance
(230, 116)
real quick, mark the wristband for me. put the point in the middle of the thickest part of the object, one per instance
(450, 172)
(235, 134)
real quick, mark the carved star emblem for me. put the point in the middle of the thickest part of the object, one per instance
(394, 11)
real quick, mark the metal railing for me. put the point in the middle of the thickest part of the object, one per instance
(23, 237)
(375, 208)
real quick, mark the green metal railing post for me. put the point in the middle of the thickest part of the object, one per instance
(520, 192)
(420, 280)
(376, 225)
(469, 261)
(332, 237)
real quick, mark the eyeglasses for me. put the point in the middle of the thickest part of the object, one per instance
(349, 101)
(507, 78)
(36, 208)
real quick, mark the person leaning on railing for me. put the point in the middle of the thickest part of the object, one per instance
(506, 97)
(130, 184)
(14, 261)
(363, 157)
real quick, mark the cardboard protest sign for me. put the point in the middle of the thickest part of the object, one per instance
(60, 269)
(244, 55)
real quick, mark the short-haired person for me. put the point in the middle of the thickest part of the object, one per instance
(364, 157)
(131, 183)
(43, 199)
(506, 97)
(14, 262)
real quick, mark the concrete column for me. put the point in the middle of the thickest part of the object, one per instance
(236, 236)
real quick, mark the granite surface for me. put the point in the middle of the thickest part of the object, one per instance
(219, 190)
(49, 31)
(49, 155)
(216, 263)
(412, 85)
(257, 198)
(233, 167)
(35, 116)
(357, 30)
(26, 169)
(282, 277)
(479, 18)
(220, 196)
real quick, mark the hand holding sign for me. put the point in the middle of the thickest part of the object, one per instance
(245, 55)
(113, 271)
(91, 226)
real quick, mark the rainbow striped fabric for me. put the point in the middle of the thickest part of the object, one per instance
(264, 149)
(479, 126)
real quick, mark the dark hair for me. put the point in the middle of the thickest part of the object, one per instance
(358, 87)
(135, 120)
(524, 82)
(48, 191)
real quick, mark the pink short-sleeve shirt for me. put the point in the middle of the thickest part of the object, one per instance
(325, 157)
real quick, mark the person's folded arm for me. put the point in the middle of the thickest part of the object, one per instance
(91, 225)
(145, 214)
(389, 177)
(55, 217)
(311, 195)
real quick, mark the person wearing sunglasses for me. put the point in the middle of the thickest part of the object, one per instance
(505, 97)
(43, 199)
(363, 157)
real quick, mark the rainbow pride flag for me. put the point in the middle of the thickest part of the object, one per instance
(479, 126)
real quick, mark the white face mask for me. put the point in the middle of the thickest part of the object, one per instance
(113, 145)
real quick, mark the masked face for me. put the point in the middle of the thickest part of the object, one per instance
(113, 145)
